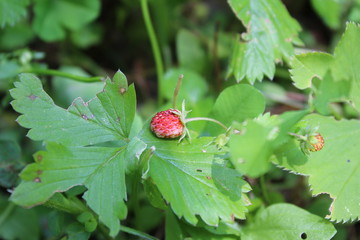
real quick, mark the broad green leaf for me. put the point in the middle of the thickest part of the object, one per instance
(330, 11)
(12, 11)
(53, 18)
(193, 182)
(71, 158)
(84, 123)
(100, 169)
(346, 64)
(271, 33)
(339, 74)
(251, 148)
(334, 170)
(305, 67)
(254, 141)
(330, 91)
(236, 103)
(285, 221)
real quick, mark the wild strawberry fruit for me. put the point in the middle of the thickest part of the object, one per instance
(167, 124)
(316, 142)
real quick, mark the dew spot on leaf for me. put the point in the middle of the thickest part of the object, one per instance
(84, 116)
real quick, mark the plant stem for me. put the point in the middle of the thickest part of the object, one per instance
(264, 189)
(135, 232)
(155, 48)
(64, 74)
(206, 119)
(6, 213)
(177, 89)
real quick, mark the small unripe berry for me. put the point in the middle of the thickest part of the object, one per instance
(316, 142)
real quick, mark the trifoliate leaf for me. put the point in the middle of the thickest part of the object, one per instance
(53, 18)
(194, 182)
(285, 221)
(236, 103)
(84, 123)
(71, 158)
(305, 67)
(271, 33)
(12, 11)
(334, 169)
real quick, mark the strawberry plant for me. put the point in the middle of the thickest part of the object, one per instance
(270, 153)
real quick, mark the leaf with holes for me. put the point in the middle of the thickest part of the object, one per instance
(285, 221)
(73, 156)
(335, 169)
(193, 180)
(271, 33)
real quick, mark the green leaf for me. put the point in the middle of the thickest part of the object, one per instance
(71, 158)
(339, 74)
(271, 33)
(285, 221)
(330, 11)
(12, 11)
(60, 168)
(193, 182)
(84, 123)
(189, 51)
(305, 67)
(53, 18)
(254, 141)
(236, 103)
(251, 148)
(334, 169)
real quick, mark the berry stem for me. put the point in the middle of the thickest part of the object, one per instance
(53, 72)
(304, 138)
(155, 48)
(177, 89)
(206, 119)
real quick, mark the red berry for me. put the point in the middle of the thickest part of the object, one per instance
(167, 124)
(317, 143)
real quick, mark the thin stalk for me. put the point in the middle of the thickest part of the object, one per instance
(155, 48)
(301, 137)
(206, 119)
(264, 189)
(6, 213)
(135, 232)
(64, 74)
(177, 89)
